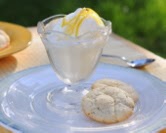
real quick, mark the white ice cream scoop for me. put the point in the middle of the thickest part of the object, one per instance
(81, 21)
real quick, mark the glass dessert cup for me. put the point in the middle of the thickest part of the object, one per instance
(73, 60)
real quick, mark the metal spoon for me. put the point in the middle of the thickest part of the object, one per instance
(132, 63)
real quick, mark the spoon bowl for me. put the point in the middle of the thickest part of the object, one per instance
(132, 63)
(140, 62)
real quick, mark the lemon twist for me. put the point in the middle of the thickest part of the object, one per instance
(73, 25)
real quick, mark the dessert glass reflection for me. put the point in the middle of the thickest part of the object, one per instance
(73, 56)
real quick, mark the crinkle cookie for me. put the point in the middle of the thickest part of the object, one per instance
(108, 104)
(4, 39)
(115, 83)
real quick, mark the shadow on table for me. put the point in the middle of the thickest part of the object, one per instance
(7, 65)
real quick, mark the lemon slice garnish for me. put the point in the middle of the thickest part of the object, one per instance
(73, 25)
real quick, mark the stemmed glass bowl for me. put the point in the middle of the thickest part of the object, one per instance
(73, 60)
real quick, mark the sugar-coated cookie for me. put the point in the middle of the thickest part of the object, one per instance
(116, 83)
(108, 104)
(4, 39)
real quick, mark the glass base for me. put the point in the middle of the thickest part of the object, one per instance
(63, 101)
(66, 99)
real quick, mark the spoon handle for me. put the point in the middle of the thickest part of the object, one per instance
(116, 56)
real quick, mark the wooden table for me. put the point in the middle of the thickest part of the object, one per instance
(35, 55)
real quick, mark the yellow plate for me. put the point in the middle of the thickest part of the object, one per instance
(20, 38)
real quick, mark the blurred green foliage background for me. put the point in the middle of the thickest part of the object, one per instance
(141, 21)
